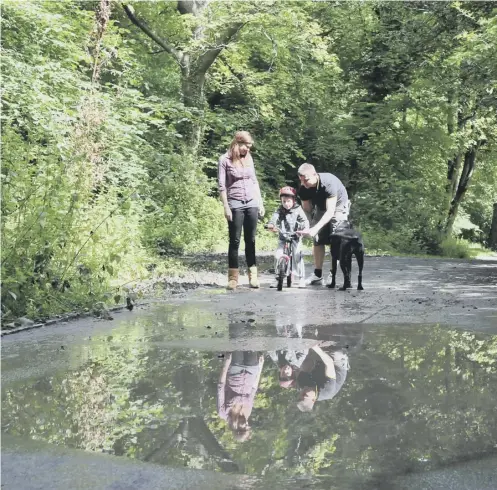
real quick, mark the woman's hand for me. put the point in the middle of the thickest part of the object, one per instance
(262, 211)
(228, 214)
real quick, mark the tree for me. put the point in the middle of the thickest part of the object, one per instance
(196, 48)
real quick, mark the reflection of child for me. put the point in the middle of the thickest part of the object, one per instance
(290, 217)
(288, 361)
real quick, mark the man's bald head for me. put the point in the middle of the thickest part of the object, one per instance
(306, 168)
(308, 175)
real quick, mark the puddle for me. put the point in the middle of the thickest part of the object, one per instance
(405, 400)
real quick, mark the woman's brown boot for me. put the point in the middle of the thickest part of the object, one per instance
(253, 279)
(232, 279)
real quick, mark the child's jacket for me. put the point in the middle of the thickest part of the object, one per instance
(289, 220)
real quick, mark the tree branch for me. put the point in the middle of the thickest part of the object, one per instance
(206, 59)
(238, 76)
(144, 27)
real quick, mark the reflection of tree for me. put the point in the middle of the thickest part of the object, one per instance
(90, 408)
(193, 431)
(413, 399)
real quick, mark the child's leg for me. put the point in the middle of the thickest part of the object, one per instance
(298, 259)
(278, 254)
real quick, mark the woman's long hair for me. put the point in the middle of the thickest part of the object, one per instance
(238, 423)
(234, 149)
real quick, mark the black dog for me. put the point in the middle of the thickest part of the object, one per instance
(345, 242)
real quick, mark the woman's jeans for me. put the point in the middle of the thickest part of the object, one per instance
(246, 218)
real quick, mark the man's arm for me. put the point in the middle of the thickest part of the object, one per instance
(329, 365)
(309, 362)
(307, 207)
(331, 203)
(302, 220)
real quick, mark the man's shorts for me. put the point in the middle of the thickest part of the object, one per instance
(324, 235)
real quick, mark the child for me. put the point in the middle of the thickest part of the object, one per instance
(290, 217)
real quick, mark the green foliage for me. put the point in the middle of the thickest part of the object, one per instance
(380, 241)
(71, 173)
(453, 247)
(109, 152)
(184, 217)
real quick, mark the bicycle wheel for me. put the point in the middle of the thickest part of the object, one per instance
(281, 273)
(289, 271)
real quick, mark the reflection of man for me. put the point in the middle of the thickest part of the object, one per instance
(326, 198)
(321, 376)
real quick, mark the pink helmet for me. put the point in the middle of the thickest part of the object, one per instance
(288, 191)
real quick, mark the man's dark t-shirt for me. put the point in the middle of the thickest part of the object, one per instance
(328, 186)
(326, 388)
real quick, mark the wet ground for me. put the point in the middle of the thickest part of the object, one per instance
(413, 405)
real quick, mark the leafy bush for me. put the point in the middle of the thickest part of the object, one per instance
(183, 217)
(394, 241)
(455, 248)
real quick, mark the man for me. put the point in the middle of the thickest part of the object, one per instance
(321, 376)
(326, 198)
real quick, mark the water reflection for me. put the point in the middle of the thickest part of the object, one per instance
(414, 399)
(321, 376)
(288, 361)
(236, 390)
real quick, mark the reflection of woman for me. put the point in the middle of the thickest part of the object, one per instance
(236, 390)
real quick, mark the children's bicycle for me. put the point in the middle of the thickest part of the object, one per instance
(284, 265)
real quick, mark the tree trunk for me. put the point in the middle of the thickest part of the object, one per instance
(492, 240)
(212, 446)
(462, 186)
(192, 86)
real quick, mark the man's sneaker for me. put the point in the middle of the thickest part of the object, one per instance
(329, 280)
(274, 284)
(302, 283)
(314, 280)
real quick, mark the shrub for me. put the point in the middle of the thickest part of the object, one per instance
(455, 248)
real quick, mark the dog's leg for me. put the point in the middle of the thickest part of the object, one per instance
(335, 254)
(360, 262)
(346, 264)
(334, 266)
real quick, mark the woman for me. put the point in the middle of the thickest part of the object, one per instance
(241, 197)
(236, 389)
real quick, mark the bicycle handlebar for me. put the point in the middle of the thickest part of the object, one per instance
(286, 234)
